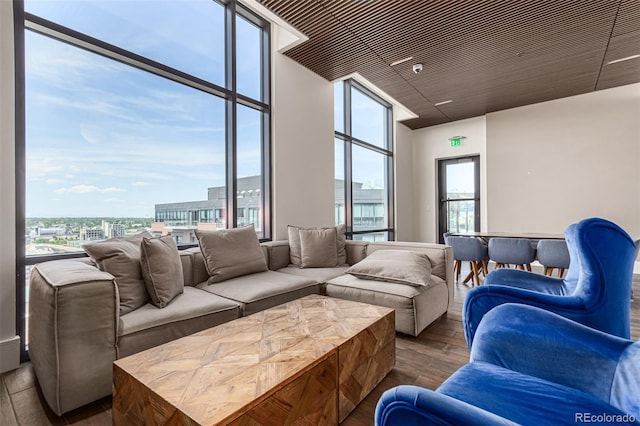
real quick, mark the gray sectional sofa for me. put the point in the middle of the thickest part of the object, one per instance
(76, 330)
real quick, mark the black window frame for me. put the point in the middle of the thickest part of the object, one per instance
(444, 201)
(349, 141)
(25, 21)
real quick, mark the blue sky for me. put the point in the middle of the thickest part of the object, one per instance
(106, 139)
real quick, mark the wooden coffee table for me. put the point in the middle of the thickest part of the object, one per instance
(310, 361)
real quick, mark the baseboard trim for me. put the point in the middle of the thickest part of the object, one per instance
(9, 354)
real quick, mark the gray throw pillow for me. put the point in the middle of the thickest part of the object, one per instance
(161, 269)
(230, 253)
(121, 258)
(294, 244)
(394, 266)
(318, 248)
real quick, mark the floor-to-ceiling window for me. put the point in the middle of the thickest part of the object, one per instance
(139, 116)
(363, 162)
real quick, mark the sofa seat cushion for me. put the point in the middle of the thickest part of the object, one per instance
(191, 303)
(416, 307)
(521, 398)
(262, 290)
(321, 275)
(192, 311)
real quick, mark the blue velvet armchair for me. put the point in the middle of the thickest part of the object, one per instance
(595, 292)
(528, 366)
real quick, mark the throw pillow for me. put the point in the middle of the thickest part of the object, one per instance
(318, 248)
(121, 258)
(294, 244)
(161, 269)
(395, 266)
(230, 253)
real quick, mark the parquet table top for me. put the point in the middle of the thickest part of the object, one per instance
(213, 376)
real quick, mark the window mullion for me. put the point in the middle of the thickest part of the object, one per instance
(348, 171)
(266, 131)
(231, 111)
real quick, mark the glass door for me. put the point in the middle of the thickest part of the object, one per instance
(458, 195)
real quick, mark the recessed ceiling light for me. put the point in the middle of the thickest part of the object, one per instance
(443, 102)
(623, 59)
(401, 61)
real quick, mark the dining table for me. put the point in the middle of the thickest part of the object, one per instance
(487, 235)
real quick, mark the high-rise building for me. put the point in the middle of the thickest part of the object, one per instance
(91, 234)
(117, 231)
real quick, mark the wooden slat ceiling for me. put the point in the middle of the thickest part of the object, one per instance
(485, 55)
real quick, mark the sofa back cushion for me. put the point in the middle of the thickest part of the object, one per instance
(356, 251)
(318, 248)
(436, 253)
(295, 248)
(230, 253)
(395, 266)
(161, 269)
(277, 254)
(121, 258)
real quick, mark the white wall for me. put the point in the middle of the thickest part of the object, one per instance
(543, 166)
(9, 342)
(403, 180)
(554, 163)
(432, 144)
(303, 148)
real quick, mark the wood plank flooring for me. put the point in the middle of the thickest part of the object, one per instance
(426, 360)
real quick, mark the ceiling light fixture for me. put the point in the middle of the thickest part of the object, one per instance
(401, 61)
(443, 102)
(623, 59)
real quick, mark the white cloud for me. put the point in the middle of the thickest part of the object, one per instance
(77, 189)
(112, 189)
(140, 183)
(54, 181)
(85, 189)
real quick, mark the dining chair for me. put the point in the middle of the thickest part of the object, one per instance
(512, 251)
(553, 254)
(468, 249)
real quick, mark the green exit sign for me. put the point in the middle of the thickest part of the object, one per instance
(456, 141)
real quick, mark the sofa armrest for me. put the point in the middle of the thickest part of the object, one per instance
(525, 280)
(413, 405)
(278, 254)
(73, 320)
(539, 343)
(481, 300)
